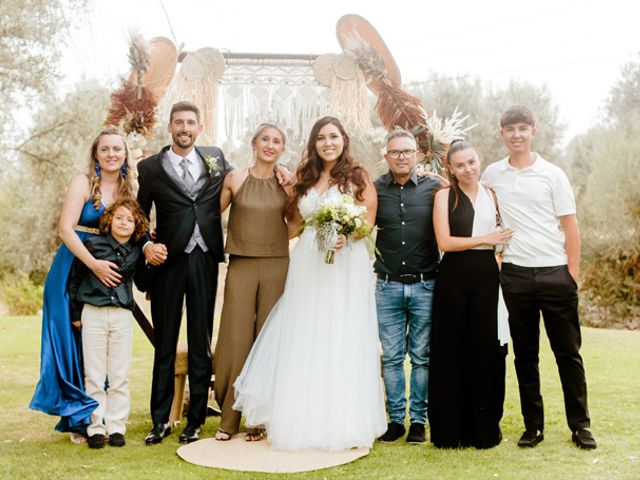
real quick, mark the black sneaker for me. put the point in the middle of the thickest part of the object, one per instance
(416, 433)
(530, 438)
(583, 438)
(96, 441)
(116, 440)
(394, 432)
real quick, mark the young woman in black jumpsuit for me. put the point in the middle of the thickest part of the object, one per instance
(466, 384)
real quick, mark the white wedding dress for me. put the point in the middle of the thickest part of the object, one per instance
(313, 378)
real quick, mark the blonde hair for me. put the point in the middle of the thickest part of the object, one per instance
(264, 126)
(125, 184)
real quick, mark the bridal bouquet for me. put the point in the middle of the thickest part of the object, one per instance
(338, 216)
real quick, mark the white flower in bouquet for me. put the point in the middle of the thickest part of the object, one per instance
(338, 216)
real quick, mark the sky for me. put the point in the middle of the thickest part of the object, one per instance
(576, 47)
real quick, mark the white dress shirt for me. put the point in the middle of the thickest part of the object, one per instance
(195, 165)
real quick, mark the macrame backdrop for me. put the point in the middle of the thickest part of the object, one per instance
(255, 90)
(197, 81)
(237, 92)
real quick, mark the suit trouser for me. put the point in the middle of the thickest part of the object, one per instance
(106, 348)
(252, 288)
(194, 276)
(552, 292)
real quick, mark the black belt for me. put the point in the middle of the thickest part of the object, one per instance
(407, 278)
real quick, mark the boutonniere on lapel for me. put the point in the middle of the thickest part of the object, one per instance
(212, 165)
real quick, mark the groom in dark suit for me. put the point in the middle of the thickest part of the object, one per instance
(183, 182)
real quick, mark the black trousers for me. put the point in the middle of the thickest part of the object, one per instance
(194, 276)
(552, 292)
(466, 374)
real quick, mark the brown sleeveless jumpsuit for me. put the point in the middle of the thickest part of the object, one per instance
(258, 248)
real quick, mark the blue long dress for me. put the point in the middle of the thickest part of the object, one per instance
(60, 390)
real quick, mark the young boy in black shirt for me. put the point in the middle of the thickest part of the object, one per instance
(105, 313)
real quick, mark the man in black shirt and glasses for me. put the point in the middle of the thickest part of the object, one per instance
(406, 264)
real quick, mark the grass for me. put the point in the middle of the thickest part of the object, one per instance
(31, 449)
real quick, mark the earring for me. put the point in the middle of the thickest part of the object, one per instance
(97, 167)
(123, 171)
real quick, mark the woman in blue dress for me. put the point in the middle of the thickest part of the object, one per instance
(60, 390)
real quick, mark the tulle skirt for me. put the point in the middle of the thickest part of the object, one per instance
(313, 377)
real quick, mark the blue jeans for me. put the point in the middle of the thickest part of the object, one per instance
(404, 320)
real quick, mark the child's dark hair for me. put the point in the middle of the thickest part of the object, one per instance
(139, 218)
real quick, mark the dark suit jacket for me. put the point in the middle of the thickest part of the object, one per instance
(176, 211)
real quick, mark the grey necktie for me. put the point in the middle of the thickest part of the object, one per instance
(186, 174)
(121, 293)
(121, 290)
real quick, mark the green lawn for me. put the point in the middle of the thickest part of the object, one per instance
(30, 448)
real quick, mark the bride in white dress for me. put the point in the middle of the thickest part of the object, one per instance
(312, 378)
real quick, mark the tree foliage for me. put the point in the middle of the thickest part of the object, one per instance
(610, 227)
(623, 104)
(31, 33)
(32, 191)
(605, 167)
(484, 103)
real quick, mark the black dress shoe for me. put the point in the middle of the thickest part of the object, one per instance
(416, 433)
(96, 441)
(394, 431)
(116, 440)
(157, 433)
(530, 438)
(191, 433)
(583, 438)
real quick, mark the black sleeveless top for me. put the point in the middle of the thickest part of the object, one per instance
(460, 219)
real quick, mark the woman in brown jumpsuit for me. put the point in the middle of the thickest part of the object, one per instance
(258, 249)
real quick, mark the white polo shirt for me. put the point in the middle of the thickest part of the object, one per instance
(530, 202)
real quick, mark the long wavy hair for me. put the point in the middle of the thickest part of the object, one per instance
(125, 183)
(346, 173)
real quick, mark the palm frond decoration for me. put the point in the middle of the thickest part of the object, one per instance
(133, 109)
(139, 56)
(133, 106)
(436, 134)
(397, 108)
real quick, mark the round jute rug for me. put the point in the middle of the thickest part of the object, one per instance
(238, 454)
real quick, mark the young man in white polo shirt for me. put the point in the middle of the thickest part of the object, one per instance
(540, 274)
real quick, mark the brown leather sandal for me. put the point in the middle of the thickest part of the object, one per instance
(223, 436)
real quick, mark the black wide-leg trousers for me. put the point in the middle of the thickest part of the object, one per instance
(194, 277)
(528, 292)
(466, 375)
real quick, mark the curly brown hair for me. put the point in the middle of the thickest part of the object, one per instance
(139, 218)
(345, 172)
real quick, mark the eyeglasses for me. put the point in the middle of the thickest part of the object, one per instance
(395, 154)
